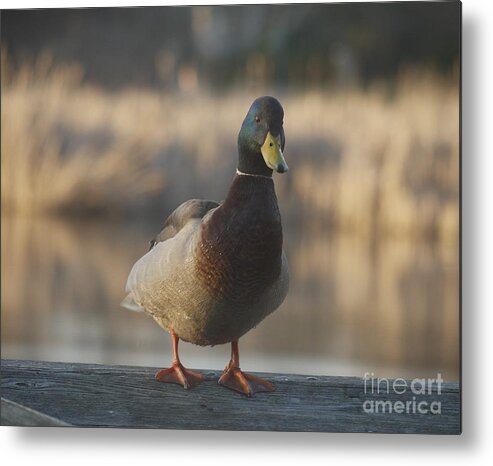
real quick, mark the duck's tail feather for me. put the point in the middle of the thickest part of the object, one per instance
(130, 303)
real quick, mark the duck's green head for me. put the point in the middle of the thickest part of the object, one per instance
(261, 139)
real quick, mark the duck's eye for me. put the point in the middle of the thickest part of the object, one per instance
(257, 119)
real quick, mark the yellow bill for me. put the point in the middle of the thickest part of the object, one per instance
(272, 154)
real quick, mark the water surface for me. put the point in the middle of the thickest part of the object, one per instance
(354, 306)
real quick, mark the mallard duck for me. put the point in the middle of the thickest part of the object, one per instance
(215, 271)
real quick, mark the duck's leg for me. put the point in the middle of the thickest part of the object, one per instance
(235, 379)
(177, 373)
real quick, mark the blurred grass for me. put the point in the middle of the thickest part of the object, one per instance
(378, 161)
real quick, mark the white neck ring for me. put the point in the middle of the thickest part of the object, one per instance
(251, 174)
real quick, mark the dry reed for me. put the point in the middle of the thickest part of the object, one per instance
(363, 160)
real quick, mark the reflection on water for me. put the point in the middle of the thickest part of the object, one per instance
(354, 306)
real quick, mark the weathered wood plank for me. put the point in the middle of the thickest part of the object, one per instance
(14, 414)
(121, 396)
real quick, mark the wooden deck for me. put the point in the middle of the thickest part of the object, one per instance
(86, 395)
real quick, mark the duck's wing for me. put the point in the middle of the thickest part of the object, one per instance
(194, 208)
(168, 250)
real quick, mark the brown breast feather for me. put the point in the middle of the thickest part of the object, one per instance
(240, 247)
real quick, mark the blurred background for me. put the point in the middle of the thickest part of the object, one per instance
(112, 117)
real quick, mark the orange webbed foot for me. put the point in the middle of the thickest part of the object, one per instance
(179, 375)
(244, 383)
